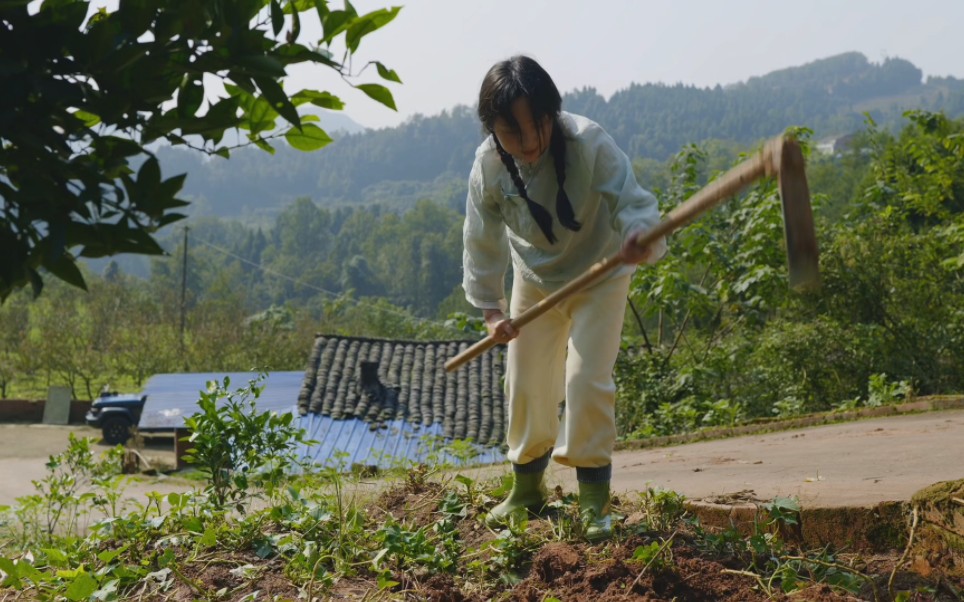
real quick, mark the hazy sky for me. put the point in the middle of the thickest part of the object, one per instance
(442, 48)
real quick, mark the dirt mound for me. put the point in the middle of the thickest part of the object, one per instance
(613, 574)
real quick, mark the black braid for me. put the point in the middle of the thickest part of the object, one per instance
(557, 146)
(543, 218)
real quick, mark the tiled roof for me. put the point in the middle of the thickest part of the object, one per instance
(412, 385)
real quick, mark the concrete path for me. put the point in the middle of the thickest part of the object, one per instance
(26, 448)
(857, 464)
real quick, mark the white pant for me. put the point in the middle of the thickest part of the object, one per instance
(567, 353)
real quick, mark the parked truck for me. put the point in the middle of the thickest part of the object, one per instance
(115, 414)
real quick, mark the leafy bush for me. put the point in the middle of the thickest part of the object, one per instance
(725, 339)
(77, 481)
(644, 383)
(237, 447)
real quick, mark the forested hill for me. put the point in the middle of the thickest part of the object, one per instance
(429, 157)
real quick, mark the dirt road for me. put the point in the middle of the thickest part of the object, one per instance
(858, 463)
(26, 448)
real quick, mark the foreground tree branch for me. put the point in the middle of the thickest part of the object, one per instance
(85, 92)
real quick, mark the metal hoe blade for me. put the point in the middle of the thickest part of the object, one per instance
(798, 229)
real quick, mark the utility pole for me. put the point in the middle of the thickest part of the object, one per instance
(183, 292)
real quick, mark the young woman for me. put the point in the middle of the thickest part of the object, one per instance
(554, 193)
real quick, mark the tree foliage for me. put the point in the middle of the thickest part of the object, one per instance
(87, 95)
(310, 255)
(719, 336)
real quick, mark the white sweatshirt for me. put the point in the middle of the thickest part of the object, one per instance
(605, 197)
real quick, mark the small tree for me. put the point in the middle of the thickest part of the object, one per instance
(238, 447)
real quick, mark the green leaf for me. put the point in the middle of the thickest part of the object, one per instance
(321, 7)
(12, 579)
(336, 21)
(379, 93)
(108, 555)
(387, 73)
(88, 119)
(135, 17)
(326, 100)
(261, 116)
(69, 15)
(296, 53)
(222, 116)
(244, 98)
(36, 282)
(646, 553)
(81, 587)
(170, 218)
(149, 174)
(168, 189)
(262, 144)
(786, 504)
(368, 23)
(28, 571)
(277, 17)
(263, 548)
(108, 592)
(295, 31)
(124, 147)
(63, 266)
(257, 65)
(189, 98)
(209, 538)
(280, 102)
(308, 138)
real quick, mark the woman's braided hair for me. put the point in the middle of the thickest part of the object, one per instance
(507, 81)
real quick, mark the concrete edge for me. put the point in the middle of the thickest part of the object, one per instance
(931, 522)
(880, 528)
(920, 405)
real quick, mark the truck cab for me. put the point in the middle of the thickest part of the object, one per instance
(115, 414)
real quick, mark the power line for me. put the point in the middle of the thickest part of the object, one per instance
(264, 268)
(272, 272)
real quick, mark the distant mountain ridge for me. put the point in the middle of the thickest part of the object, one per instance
(429, 157)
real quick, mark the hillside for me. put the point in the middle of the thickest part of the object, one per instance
(428, 157)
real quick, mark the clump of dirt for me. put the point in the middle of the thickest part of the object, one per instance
(440, 588)
(413, 500)
(238, 575)
(555, 560)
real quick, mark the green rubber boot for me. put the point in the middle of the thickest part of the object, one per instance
(594, 510)
(528, 492)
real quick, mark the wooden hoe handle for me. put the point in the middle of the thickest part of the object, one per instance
(766, 162)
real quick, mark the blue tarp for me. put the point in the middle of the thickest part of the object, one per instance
(173, 397)
(343, 443)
